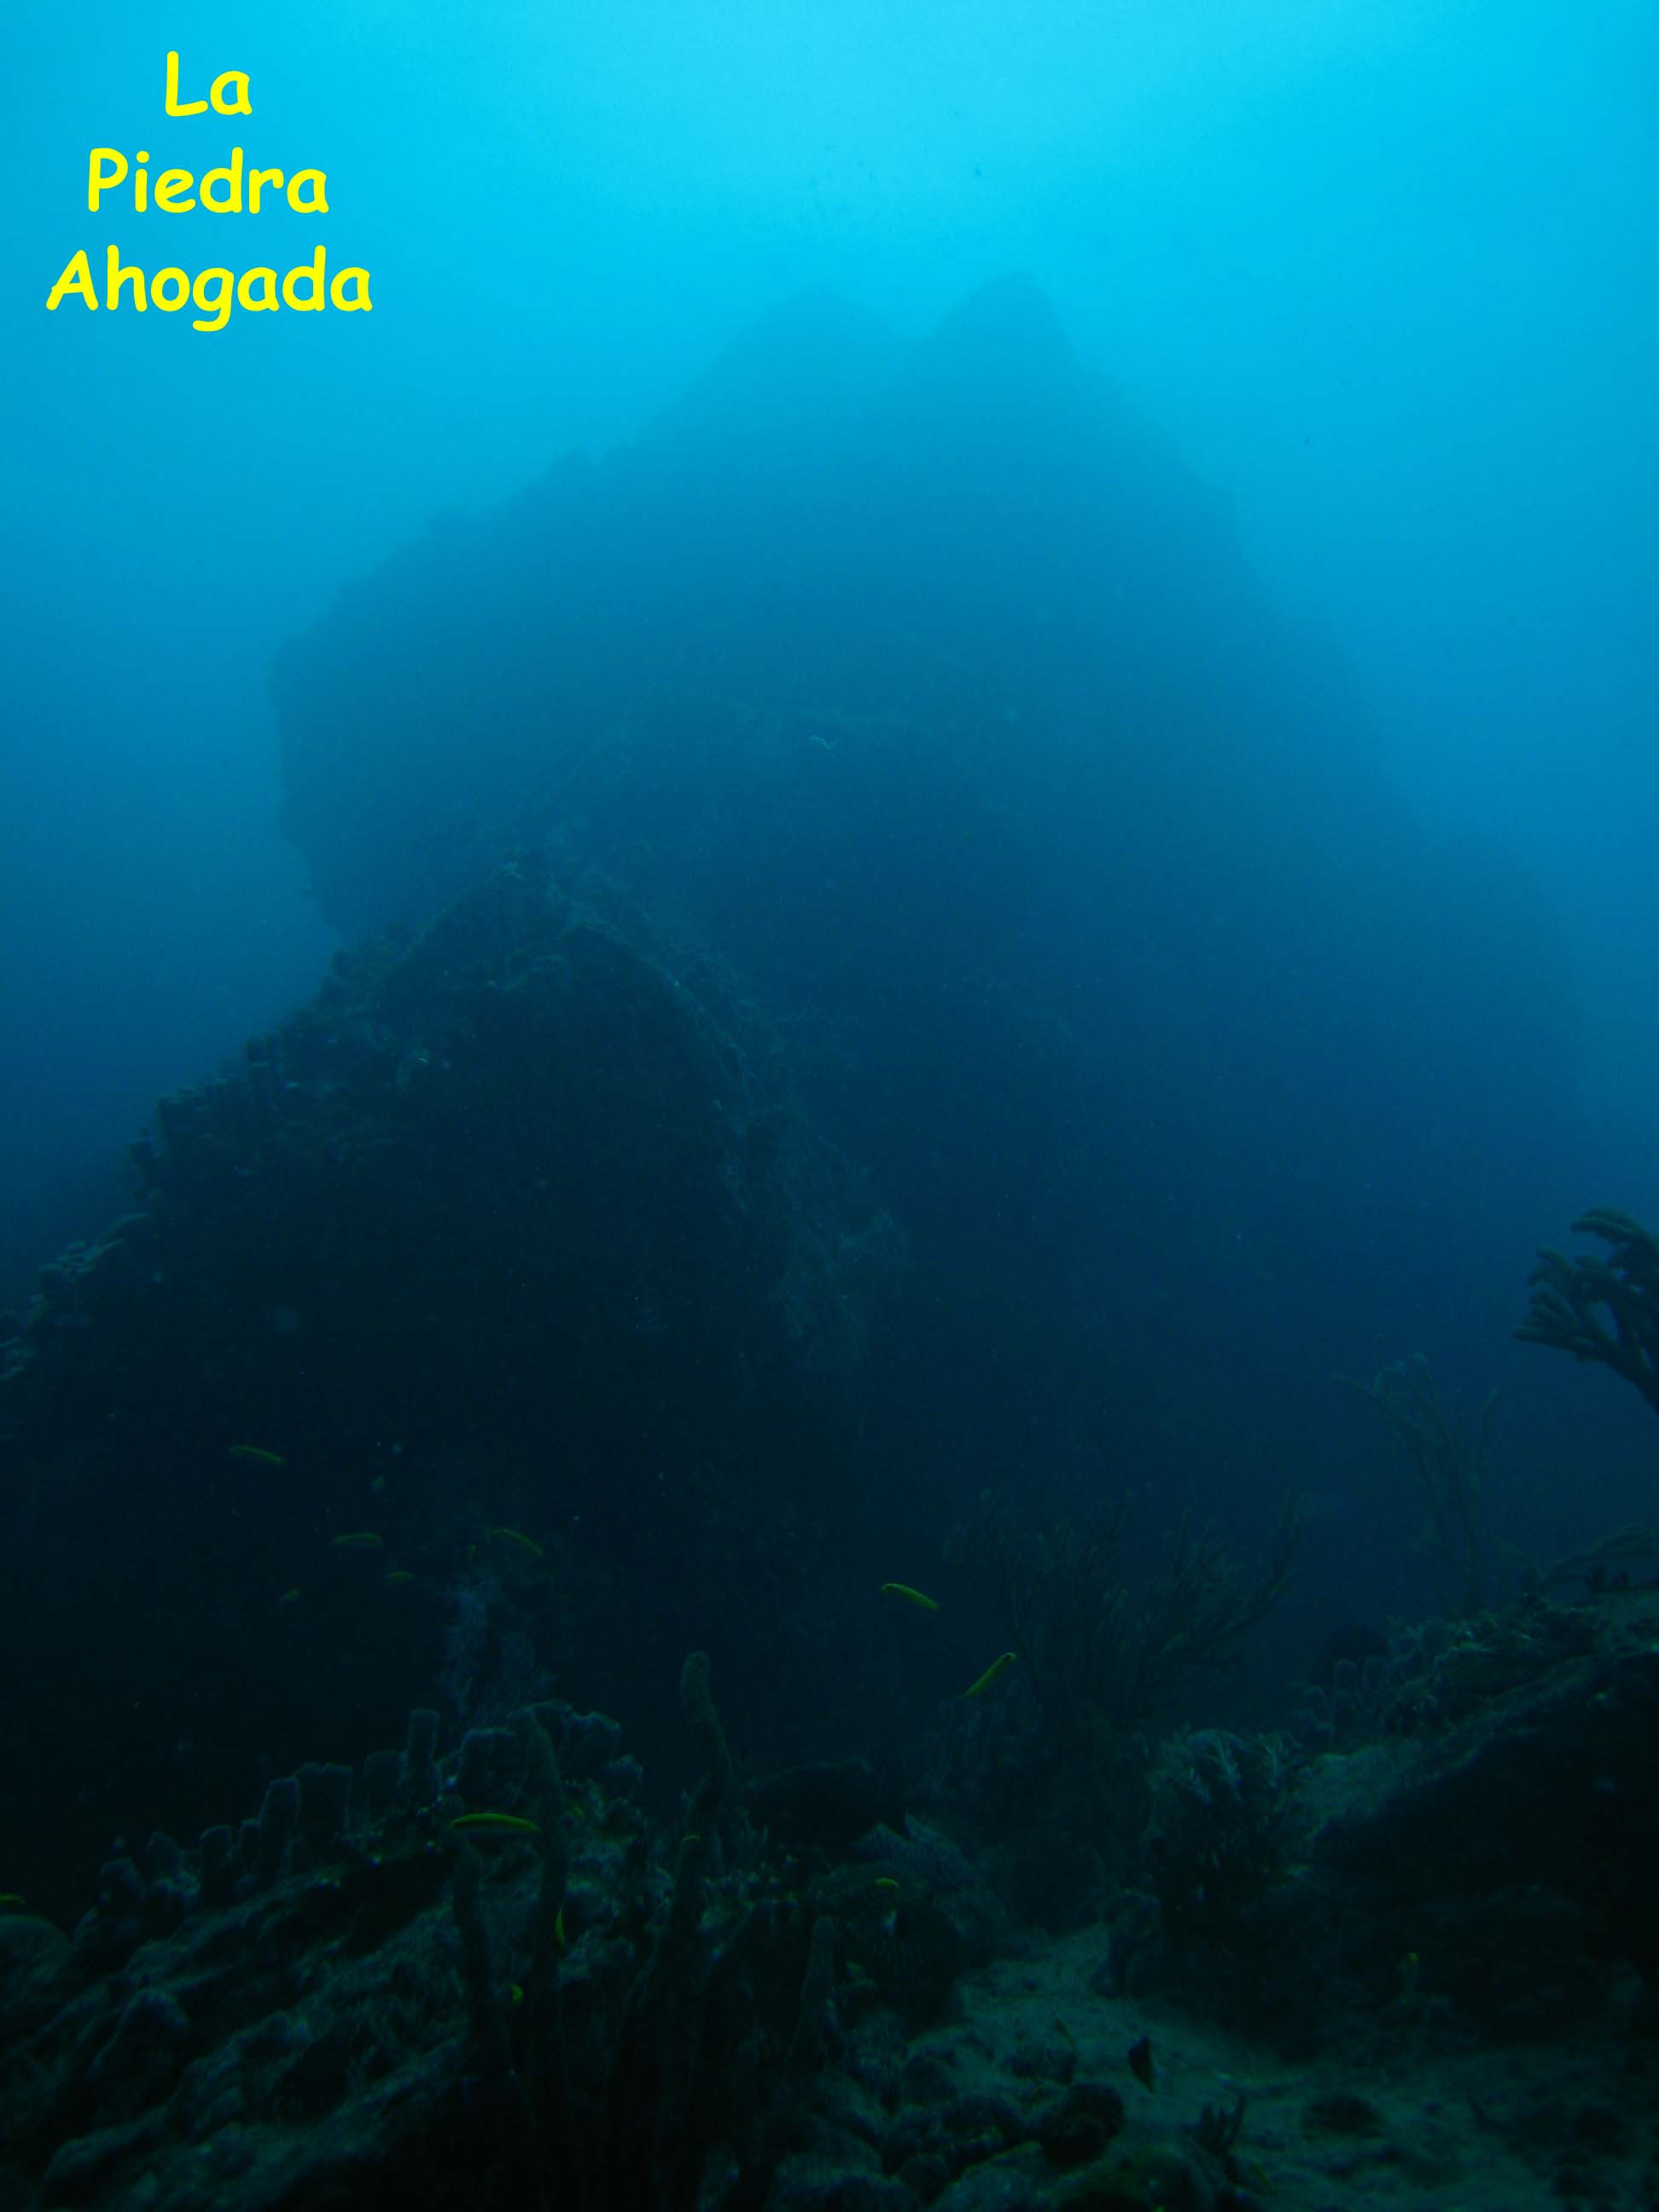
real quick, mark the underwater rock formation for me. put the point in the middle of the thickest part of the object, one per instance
(922, 685)
(831, 524)
(493, 1305)
(1480, 1861)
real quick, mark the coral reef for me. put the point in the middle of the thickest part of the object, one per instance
(483, 1974)
(330, 1995)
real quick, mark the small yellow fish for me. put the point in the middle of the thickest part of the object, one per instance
(910, 1596)
(363, 1540)
(511, 1536)
(257, 1452)
(996, 1668)
(500, 1824)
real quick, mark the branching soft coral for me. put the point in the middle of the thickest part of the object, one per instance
(1105, 1650)
(1447, 1454)
(1571, 1297)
